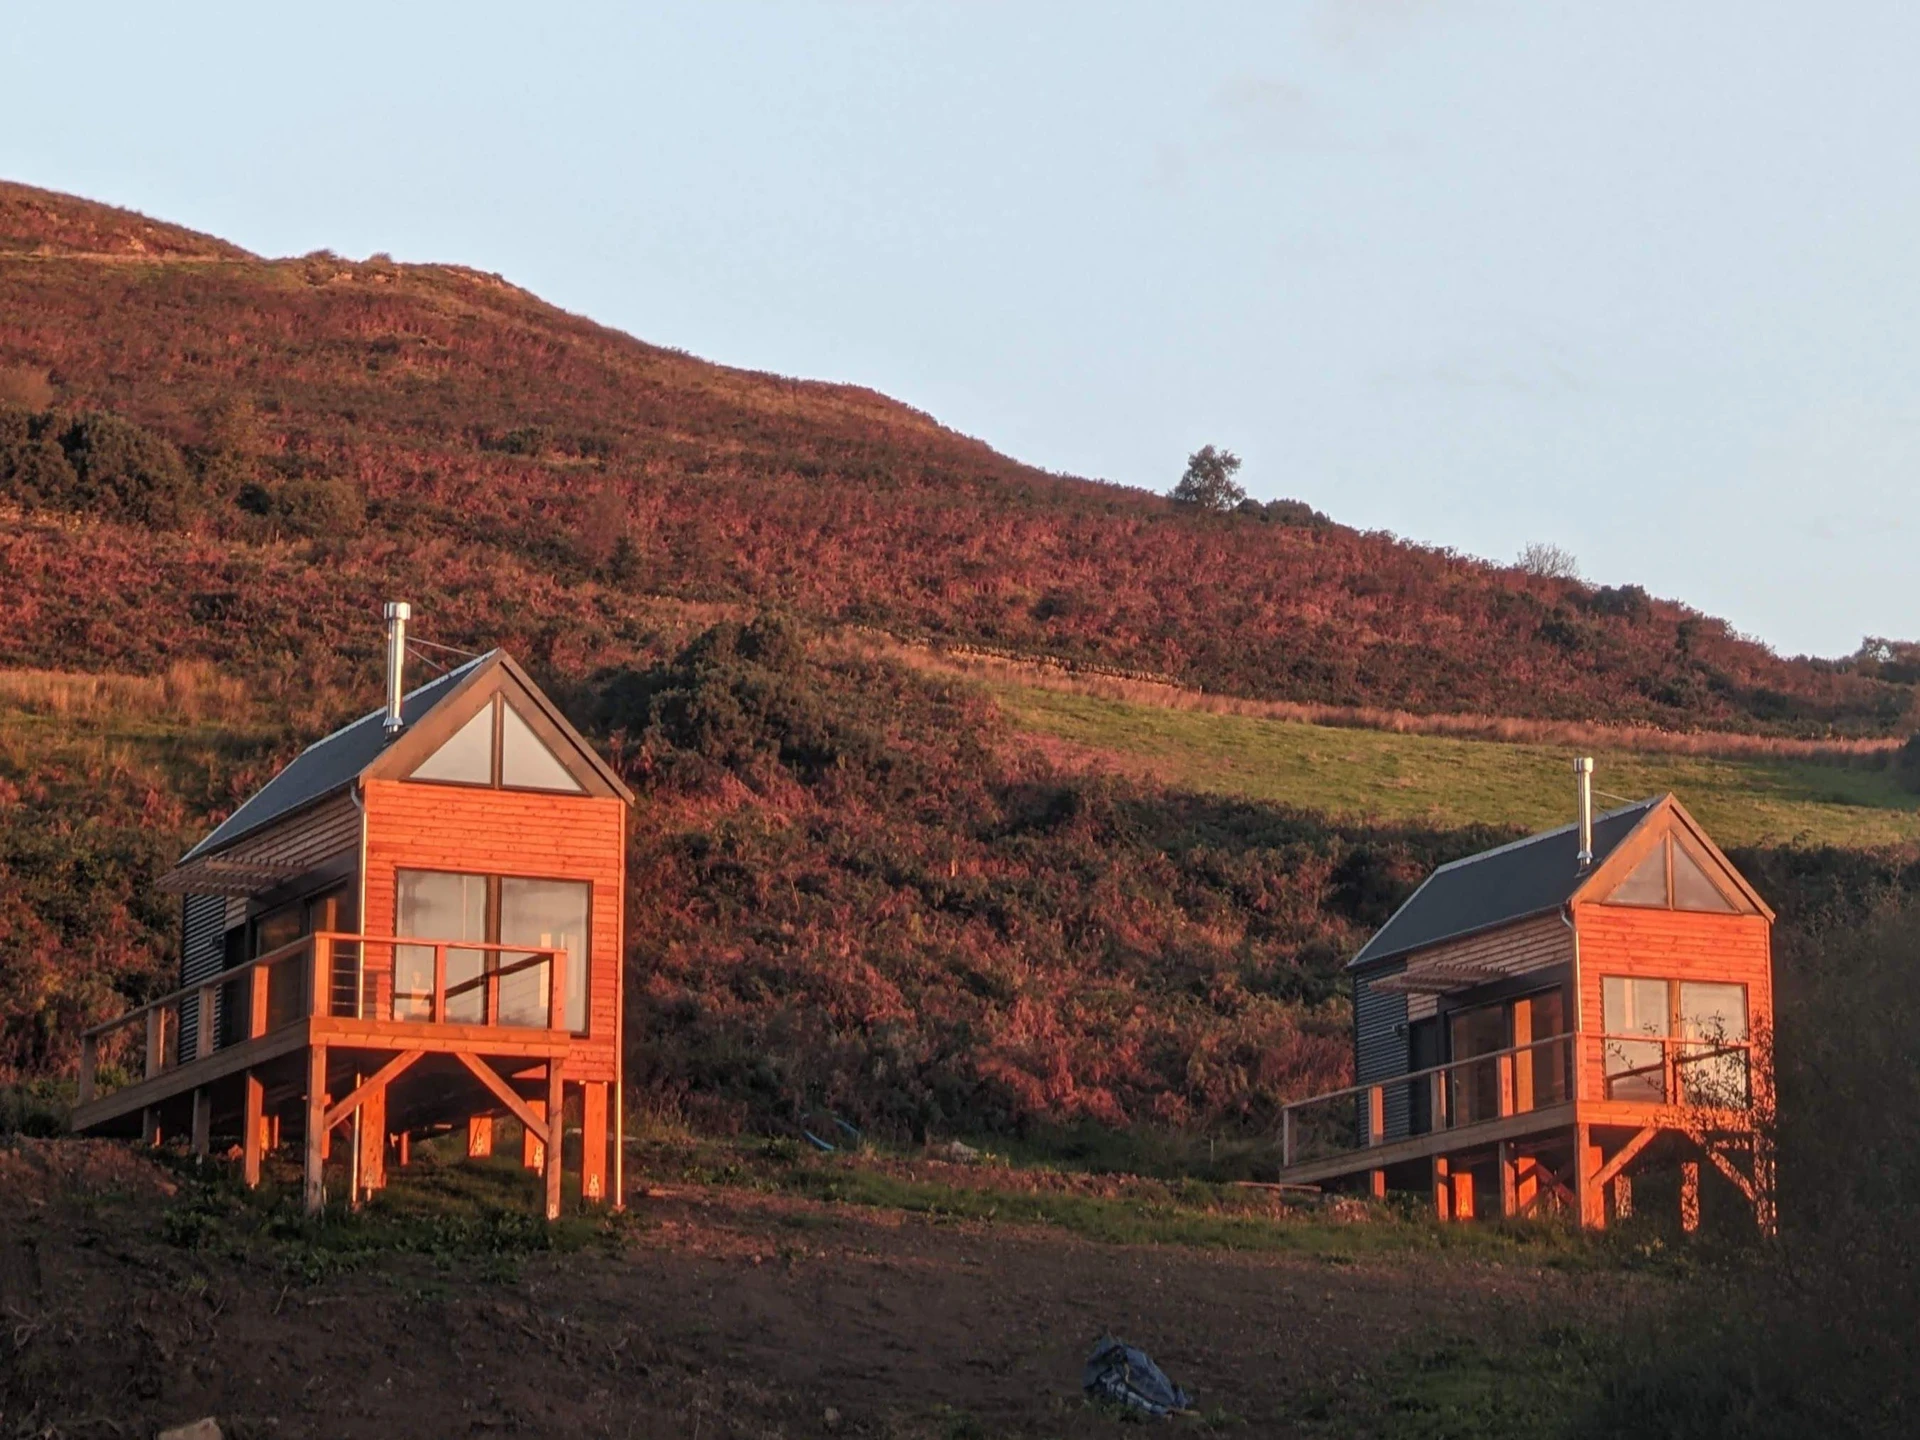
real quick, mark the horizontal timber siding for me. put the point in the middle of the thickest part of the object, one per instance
(509, 832)
(1670, 945)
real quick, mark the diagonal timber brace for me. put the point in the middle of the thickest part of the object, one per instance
(521, 1110)
(379, 1081)
(1625, 1156)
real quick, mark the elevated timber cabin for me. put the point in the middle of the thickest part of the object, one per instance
(1542, 1020)
(414, 927)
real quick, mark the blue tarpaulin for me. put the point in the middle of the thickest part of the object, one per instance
(1118, 1372)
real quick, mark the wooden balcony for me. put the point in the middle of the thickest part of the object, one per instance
(1647, 1083)
(346, 992)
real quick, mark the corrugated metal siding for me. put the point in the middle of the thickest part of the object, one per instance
(1380, 1045)
(203, 922)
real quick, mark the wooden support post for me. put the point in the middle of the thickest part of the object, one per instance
(403, 1149)
(1689, 1196)
(1442, 1189)
(326, 1130)
(202, 1121)
(1509, 1181)
(533, 1154)
(253, 1129)
(555, 1130)
(1505, 1075)
(203, 1035)
(1437, 1100)
(1376, 1114)
(1763, 1182)
(479, 1136)
(1584, 1197)
(150, 1127)
(1526, 1183)
(1287, 1127)
(593, 1141)
(89, 1067)
(1523, 1062)
(1592, 1159)
(257, 982)
(1377, 1184)
(1462, 1194)
(1623, 1197)
(156, 1041)
(313, 1191)
(373, 1142)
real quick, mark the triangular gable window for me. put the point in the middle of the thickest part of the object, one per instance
(1693, 888)
(525, 761)
(1647, 884)
(466, 758)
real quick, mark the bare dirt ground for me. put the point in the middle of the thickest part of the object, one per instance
(717, 1313)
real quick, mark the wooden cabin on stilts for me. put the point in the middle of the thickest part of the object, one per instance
(1543, 1021)
(414, 928)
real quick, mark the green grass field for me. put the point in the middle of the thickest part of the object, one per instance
(1384, 775)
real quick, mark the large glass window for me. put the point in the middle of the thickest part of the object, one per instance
(1709, 1018)
(440, 905)
(498, 747)
(550, 915)
(525, 761)
(467, 757)
(507, 910)
(1714, 1018)
(1635, 1070)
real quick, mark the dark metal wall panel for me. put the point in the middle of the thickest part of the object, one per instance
(1380, 1044)
(203, 923)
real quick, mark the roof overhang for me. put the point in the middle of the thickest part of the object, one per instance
(228, 875)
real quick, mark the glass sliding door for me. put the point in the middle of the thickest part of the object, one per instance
(440, 905)
(1476, 1087)
(548, 915)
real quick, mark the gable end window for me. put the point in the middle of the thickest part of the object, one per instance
(1672, 877)
(498, 747)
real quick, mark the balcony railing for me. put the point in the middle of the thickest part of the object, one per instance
(364, 977)
(1696, 1074)
(1453, 1096)
(1710, 1074)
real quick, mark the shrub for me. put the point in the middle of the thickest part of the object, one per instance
(123, 472)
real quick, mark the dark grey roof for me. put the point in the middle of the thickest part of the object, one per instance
(1510, 882)
(328, 764)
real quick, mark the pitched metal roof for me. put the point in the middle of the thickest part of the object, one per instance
(329, 764)
(1510, 882)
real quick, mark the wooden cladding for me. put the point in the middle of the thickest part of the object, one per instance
(542, 836)
(1671, 945)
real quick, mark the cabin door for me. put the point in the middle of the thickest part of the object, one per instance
(1474, 1091)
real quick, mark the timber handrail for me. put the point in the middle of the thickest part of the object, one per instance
(257, 989)
(1678, 1054)
(1511, 1096)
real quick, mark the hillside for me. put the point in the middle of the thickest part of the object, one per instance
(933, 905)
(327, 432)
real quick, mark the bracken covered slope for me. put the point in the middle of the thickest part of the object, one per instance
(347, 429)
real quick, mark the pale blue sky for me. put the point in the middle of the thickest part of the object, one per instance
(1638, 278)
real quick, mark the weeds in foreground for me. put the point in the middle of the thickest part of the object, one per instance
(482, 1218)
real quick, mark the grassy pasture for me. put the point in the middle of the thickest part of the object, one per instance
(1385, 775)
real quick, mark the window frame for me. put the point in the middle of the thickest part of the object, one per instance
(492, 924)
(496, 705)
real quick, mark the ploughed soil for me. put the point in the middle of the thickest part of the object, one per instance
(712, 1312)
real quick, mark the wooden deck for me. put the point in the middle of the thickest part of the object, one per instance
(323, 1031)
(1575, 1145)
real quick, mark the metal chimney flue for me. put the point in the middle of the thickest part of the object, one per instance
(398, 612)
(1583, 778)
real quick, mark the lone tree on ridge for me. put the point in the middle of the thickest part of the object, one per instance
(1209, 482)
